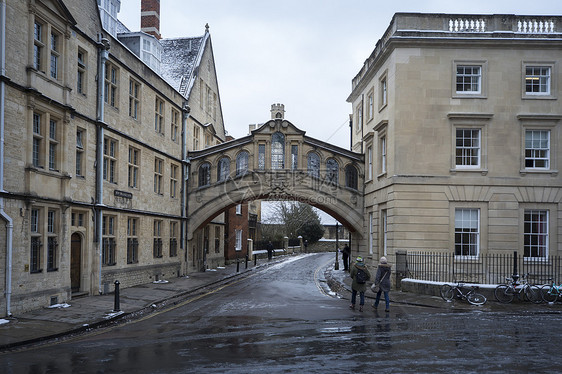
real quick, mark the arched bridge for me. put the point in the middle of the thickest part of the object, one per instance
(277, 161)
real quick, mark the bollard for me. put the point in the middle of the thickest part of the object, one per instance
(116, 303)
(246, 261)
(237, 265)
(255, 259)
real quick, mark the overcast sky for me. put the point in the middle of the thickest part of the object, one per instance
(301, 53)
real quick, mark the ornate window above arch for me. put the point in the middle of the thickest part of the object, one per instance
(204, 174)
(223, 169)
(277, 151)
(332, 171)
(242, 163)
(313, 164)
(351, 177)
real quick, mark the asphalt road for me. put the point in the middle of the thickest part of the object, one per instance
(282, 319)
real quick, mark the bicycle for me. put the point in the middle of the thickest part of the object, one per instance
(551, 293)
(505, 293)
(448, 293)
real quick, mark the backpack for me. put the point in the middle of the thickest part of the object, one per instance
(361, 277)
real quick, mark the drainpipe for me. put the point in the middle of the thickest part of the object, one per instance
(3, 214)
(185, 176)
(103, 48)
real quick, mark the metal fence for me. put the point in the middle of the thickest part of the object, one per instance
(484, 269)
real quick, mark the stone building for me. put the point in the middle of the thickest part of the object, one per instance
(459, 119)
(96, 131)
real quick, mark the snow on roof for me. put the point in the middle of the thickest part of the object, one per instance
(121, 28)
(179, 60)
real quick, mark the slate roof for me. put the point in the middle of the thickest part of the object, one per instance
(180, 59)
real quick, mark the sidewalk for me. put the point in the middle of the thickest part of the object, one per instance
(89, 312)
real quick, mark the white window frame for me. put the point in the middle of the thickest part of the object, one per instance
(238, 242)
(482, 90)
(552, 84)
(464, 222)
(534, 149)
(541, 236)
(479, 148)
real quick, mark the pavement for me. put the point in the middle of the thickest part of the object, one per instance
(91, 312)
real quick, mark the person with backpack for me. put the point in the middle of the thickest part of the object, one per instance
(360, 275)
(382, 280)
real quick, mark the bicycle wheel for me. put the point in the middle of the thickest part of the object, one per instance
(476, 298)
(504, 293)
(549, 294)
(533, 294)
(447, 292)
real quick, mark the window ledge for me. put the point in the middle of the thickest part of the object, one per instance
(478, 170)
(381, 175)
(554, 173)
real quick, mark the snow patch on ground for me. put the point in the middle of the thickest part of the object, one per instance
(59, 306)
(3, 321)
(161, 281)
(292, 259)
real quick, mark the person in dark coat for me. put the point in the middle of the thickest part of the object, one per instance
(269, 250)
(382, 279)
(345, 257)
(356, 286)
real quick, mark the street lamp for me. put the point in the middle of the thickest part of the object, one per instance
(337, 264)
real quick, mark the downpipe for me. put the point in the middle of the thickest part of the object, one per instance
(185, 176)
(3, 214)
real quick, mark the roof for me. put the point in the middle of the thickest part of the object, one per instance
(180, 58)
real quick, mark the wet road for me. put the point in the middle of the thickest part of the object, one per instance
(281, 320)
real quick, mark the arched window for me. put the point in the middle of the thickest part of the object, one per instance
(313, 165)
(223, 169)
(351, 177)
(242, 163)
(204, 174)
(332, 169)
(277, 151)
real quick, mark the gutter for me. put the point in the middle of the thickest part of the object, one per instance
(184, 179)
(3, 214)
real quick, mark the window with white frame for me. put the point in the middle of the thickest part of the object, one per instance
(535, 234)
(384, 91)
(370, 105)
(467, 148)
(537, 149)
(196, 132)
(369, 163)
(469, 79)
(537, 80)
(384, 229)
(370, 232)
(382, 154)
(238, 244)
(467, 232)
(239, 209)
(359, 116)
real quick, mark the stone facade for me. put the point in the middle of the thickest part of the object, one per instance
(94, 185)
(459, 121)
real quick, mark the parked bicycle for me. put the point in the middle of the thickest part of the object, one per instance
(551, 293)
(468, 293)
(505, 293)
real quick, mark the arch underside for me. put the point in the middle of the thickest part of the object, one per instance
(344, 204)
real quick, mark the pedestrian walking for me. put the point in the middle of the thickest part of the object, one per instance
(360, 275)
(269, 250)
(345, 257)
(382, 283)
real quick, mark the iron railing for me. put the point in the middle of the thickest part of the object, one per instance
(492, 268)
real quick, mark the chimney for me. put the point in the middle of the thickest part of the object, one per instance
(150, 17)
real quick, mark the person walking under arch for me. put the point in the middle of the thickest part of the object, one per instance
(382, 279)
(360, 275)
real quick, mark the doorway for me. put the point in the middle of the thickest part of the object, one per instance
(75, 262)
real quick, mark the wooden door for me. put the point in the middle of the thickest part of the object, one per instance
(75, 261)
